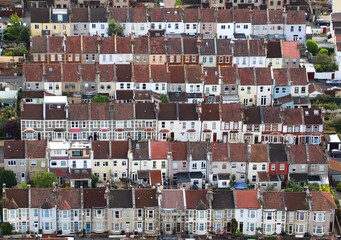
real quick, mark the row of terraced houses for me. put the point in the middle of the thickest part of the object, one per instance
(187, 165)
(170, 211)
(209, 23)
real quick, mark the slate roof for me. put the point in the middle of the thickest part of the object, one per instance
(167, 111)
(172, 199)
(259, 153)
(98, 15)
(293, 116)
(259, 17)
(145, 198)
(223, 199)
(32, 111)
(274, 49)
(174, 45)
(40, 15)
(79, 15)
(145, 111)
(140, 150)
(313, 116)
(296, 17)
(273, 200)
(14, 149)
(39, 44)
(119, 149)
(20, 196)
(276, 17)
(123, 111)
(278, 153)
(141, 73)
(295, 201)
(252, 115)
(56, 44)
(237, 152)
(197, 199)
(188, 112)
(190, 46)
(36, 149)
(121, 198)
(101, 149)
(219, 152)
(94, 198)
(298, 76)
(322, 201)
(198, 150)
(33, 72)
(159, 73)
(210, 112)
(191, 15)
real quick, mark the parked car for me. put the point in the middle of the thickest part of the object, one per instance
(322, 22)
(336, 153)
(333, 82)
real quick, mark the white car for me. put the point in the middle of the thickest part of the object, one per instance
(333, 82)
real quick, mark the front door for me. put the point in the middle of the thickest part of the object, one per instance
(214, 137)
(24, 227)
(75, 227)
(88, 227)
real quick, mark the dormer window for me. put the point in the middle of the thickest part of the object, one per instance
(50, 107)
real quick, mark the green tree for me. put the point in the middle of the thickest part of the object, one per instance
(8, 178)
(314, 186)
(338, 187)
(234, 225)
(100, 99)
(44, 179)
(292, 186)
(16, 30)
(163, 98)
(312, 46)
(6, 228)
(94, 181)
(115, 28)
(323, 51)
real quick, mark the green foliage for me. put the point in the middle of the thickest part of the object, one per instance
(6, 228)
(326, 63)
(7, 177)
(17, 31)
(234, 225)
(323, 51)
(178, 3)
(23, 185)
(238, 234)
(314, 186)
(44, 179)
(115, 28)
(312, 46)
(163, 98)
(338, 187)
(292, 186)
(337, 202)
(94, 181)
(100, 99)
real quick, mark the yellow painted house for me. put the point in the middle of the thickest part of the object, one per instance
(50, 22)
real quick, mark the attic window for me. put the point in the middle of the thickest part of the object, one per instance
(307, 113)
(316, 112)
(50, 69)
(50, 106)
(59, 107)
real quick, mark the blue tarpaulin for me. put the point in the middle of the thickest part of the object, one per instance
(240, 185)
